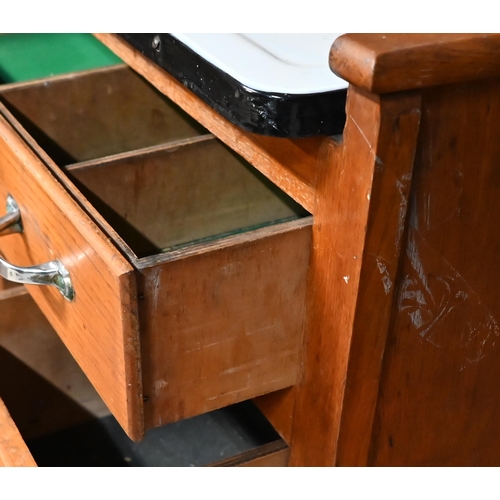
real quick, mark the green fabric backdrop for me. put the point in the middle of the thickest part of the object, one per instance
(38, 55)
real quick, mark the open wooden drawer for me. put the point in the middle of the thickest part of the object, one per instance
(188, 267)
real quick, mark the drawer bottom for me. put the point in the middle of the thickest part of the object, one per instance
(224, 434)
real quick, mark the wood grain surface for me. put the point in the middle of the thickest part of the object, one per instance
(13, 449)
(359, 220)
(392, 62)
(438, 403)
(100, 326)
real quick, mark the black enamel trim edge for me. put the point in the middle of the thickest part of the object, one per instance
(272, 114)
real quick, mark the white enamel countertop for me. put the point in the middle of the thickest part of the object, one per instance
(271, 62)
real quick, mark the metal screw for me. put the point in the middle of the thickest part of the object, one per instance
(156, 43)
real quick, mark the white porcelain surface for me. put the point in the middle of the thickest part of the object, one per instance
(271, 62)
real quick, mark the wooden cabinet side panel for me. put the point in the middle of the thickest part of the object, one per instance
(223, 326)
(363, 187)
(439, 403)
(99, 326)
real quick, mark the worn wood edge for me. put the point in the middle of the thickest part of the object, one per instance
(13, 449)
(274, 454)
(118, 266)
(383, 63)
(6, 87)
(226, 242)
(168, 147)
(381, 261)
(135, 426)
(258, 150)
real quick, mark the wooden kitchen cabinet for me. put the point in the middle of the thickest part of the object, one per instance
(379, 312)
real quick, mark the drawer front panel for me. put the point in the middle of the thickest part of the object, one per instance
(99, 326)
(225, 323)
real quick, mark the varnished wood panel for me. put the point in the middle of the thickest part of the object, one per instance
(391, 62)
(223, 322)
(290, 164)
(100, 326)
(359, 220)
(439, 403)
(13, 450)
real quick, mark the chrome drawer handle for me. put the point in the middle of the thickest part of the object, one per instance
(51, 273)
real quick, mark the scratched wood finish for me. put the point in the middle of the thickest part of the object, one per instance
(393, 62)
(290, 164)
(439, 401)
(100, 326)
(223, 322)
(96, 113)
(359, 219)
(13, 449)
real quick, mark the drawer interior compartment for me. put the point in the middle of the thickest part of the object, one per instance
(181, 195)
(96, 113)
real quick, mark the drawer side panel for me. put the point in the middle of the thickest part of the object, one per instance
(224, 325)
